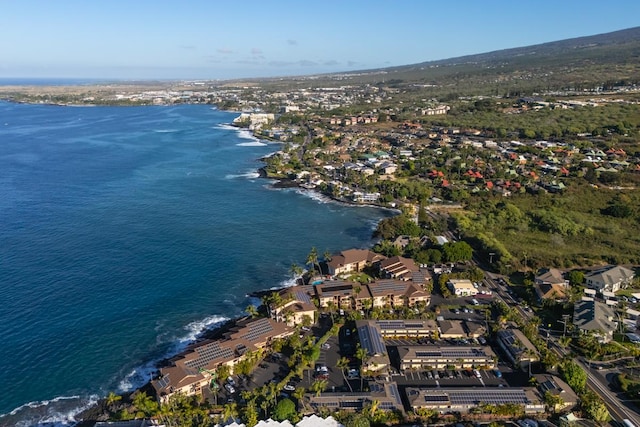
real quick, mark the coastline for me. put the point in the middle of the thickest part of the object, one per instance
(93, 413)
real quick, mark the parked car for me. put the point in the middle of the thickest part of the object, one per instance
(230, 388)
(231, 381)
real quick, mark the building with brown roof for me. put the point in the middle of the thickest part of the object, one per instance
(192, 370)
(297, 305)
(451, 329)
(446, 357)
(352, 260)
(402, 328)
(341, 294)
(398, 267)
(397, 293)
(386, 395)
(464, 400)
(550, 284)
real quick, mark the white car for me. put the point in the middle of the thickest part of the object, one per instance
(230, 388)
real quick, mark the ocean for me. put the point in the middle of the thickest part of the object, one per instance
(124, 233)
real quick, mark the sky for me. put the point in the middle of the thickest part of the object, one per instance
(218, 39)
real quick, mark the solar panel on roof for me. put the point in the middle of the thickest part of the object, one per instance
(164, 381)
(303, 296)
(207, 353)
(371, 340)
(428, 353)
(413, 325)
(497, 397)
(258, 329)
(395, 394)
(436, 398)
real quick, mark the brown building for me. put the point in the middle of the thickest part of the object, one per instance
(193, 369)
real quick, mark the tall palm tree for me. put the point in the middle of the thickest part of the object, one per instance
(296, 270)
(361, 355)
(230, 410)
(312, 259)
(343, 363)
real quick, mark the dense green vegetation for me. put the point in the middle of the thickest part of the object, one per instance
(576, 227)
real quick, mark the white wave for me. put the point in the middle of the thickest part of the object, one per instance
(225, 126)
(165, 130)
(288, 283)
(58, 412)
(199, 326)
(251, 144)
(246, 134)
(38, 404)
(314, 195)
(247, 175)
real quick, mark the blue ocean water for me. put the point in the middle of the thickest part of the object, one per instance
(124, 231)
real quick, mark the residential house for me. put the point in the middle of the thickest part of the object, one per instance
(352, 260)
(462, 287)
(595, 317)
(611, 278)
(550, 284)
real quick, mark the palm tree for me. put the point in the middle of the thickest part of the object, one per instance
(271, 301)
(318, 386)
(230, 410)
(361, 355)
(252, 311)
(265, 405)
(296, 270)
(312, 259)
(343, 363)
(112, 399)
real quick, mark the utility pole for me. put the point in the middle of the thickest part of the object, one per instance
(565, 319)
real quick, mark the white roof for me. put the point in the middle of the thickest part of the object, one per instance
(316, 421)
